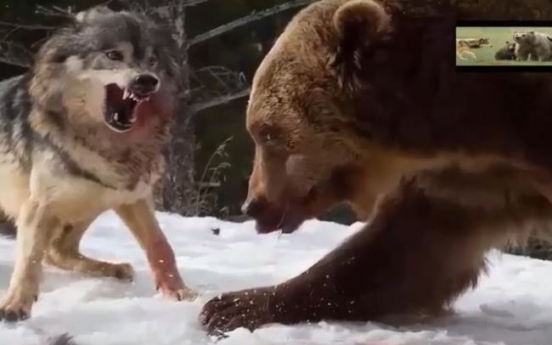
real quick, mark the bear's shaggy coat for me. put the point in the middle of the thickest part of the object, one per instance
(359, 101)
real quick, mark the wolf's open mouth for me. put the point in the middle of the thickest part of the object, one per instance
(120, 106)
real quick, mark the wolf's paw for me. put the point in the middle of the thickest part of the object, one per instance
(123, 271)
(96, 268)
(172, 287)
(16, 305)
(180, 294)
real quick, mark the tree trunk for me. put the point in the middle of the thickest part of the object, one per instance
(176, 191)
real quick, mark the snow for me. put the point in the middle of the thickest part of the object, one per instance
(511, 306)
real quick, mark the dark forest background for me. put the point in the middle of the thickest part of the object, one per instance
(221, 43)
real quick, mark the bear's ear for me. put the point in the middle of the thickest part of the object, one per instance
(358, 24)
(361, 21)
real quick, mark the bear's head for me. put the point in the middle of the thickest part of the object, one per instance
(309, 155)
(524, 37)
(510, 46)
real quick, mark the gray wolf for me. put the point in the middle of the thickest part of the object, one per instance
(476, 42)
(463, 50)
(358, 102)
(464, 46)
(82, 133)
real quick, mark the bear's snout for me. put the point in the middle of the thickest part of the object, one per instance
(252, 207)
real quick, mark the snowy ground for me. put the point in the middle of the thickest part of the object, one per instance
(512, 306)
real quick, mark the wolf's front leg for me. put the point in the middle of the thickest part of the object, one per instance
(140, 219)
(35, 226)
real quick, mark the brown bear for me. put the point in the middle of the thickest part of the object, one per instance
(533, 45)
(507, 52)
(359, 101)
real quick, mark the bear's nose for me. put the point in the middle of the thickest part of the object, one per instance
(252, 207)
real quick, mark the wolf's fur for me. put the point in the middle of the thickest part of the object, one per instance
(463, 50)
(475, 42)
(464, 46)
(61, 165)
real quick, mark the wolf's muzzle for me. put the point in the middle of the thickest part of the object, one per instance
(144, 85)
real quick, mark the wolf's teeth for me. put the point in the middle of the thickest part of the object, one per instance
(116, 117)
(132, 119)
(126, 94)
(148, 99)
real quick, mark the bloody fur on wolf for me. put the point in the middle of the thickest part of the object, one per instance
(359, 101)
(82, 133)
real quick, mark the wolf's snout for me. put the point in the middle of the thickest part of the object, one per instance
(144, 84)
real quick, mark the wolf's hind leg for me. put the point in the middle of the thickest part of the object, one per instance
(471, 55)
(64, 253)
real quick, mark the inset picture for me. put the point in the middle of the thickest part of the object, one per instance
(503, 46)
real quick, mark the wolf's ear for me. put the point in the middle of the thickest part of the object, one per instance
(119, 5)
(92, 14)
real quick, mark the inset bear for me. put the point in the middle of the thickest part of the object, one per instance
(508, 52)
(532, 44)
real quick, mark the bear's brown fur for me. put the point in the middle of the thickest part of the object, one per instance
(535, 45)
(359, 101)
(507, 52)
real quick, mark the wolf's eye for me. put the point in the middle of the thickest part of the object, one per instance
(152, 60)
(115, 55)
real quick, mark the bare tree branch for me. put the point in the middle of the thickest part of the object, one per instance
(55, 11)
(191, 3)
(197, 107)
(194, 2)
(15, 54)
(246, 20)
(162, 10)
(214, 83)
(26, 26)
(9, 61)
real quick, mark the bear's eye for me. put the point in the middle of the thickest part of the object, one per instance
(269, 136)
(265, 136)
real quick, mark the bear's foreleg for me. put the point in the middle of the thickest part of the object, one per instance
(418, 254)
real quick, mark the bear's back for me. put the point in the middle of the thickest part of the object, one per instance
(418, 100)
